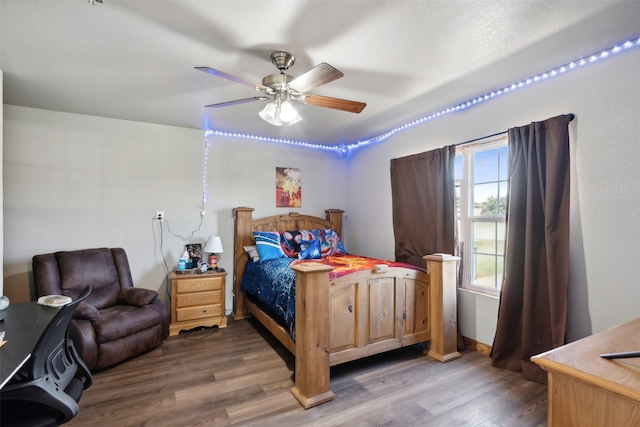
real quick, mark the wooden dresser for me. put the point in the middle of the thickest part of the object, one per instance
(587, 390)
(197, 300)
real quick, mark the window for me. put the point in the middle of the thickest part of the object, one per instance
(481, 175)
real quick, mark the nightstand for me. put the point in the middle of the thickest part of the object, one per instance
(197, 300)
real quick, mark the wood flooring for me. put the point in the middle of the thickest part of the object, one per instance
(241, 376)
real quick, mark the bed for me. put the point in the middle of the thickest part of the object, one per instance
(340, 319)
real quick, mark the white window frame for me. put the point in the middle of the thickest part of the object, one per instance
(465, 211)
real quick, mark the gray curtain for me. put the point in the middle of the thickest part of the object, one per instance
(533, 301)
(423, 198)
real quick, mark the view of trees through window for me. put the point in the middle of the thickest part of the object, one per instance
(493, 206)
(482, 187)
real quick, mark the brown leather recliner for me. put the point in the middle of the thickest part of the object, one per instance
(117, 321)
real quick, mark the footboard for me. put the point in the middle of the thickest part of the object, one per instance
(358, 315)
(373, 312)
(367, 313)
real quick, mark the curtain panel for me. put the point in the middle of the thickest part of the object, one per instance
(533, 302)
(423, 200)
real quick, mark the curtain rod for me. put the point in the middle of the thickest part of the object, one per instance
(482, 137)
(571, 117)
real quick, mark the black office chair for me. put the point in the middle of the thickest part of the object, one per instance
(47, 390)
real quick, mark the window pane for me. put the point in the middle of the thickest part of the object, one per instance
(487, 271)
(485, 166)
(502, 233)
(459, 168)
(504, 163)
(485, 199)
(484, 237)
(487, 253)
(502, 202)
(458, 201)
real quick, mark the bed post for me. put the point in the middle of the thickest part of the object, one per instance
(443, 308)
(242, 236)
(312, 335)
(334, 216)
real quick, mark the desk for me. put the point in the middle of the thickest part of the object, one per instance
(23, 324)
(587, 390)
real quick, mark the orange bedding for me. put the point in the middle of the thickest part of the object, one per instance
(347, 264)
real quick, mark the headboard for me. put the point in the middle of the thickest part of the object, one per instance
(245, 225)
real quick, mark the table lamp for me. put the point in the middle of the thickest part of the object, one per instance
(214, 247)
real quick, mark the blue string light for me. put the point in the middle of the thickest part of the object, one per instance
(205, 186)
(346, 148)
(299, 143)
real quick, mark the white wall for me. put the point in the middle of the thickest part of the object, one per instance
(1, 186)
(605, 232)
(74, 181)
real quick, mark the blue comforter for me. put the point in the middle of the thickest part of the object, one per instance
(271, 286)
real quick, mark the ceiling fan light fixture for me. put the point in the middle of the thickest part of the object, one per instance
(271, 114)
(288, 114)
(279, 111)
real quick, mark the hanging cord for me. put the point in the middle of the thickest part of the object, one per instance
(179, 236)
(164, 223)
(158, 239)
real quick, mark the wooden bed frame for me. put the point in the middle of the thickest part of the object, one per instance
(375, 311)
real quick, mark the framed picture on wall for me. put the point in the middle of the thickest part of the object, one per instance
(288, 188)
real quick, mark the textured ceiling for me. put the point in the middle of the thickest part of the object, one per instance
(134, 59)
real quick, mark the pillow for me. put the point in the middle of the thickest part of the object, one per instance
(310, 249)
(290, 241)
(268, 245)
(253, 253)
(331, 244)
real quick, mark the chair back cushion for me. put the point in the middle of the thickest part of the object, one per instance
(70, 272)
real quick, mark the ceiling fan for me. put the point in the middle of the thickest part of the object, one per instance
(281, 89)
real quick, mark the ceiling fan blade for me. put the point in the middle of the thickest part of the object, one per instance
(335, 103)
(227, 76)
(238, 101)
(320, 74)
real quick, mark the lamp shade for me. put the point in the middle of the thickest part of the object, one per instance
(288, 114)
(213, 245)
(271, 113)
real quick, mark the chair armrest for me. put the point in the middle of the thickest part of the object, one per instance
(136, 296)
(86, 311)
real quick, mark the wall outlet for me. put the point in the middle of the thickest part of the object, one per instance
(159, 216)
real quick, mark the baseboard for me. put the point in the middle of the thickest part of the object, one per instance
(477, 346)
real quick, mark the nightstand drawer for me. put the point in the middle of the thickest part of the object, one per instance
(198, 285)
(191, 313)
(198, 298)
